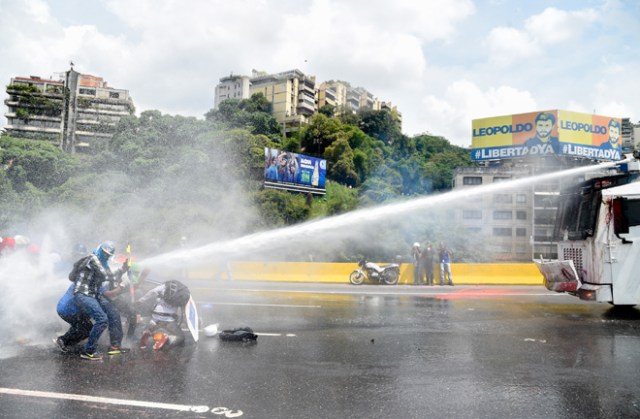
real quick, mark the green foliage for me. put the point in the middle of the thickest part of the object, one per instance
(280, 208)
(321, 132)
(36, 162)
(327, 110)
(253, 114)
(161, 177)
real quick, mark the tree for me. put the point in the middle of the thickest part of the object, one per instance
(380, 125)
(319, 134)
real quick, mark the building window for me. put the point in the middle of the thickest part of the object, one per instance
(472, 214)
(502, 215)
(114, 95)
(502, 231)
(521, 215)
(502, 198)
(472, 180)
(521, 232)
(521, 198)
(89, 92)
(500, 179)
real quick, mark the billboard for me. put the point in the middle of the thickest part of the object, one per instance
(548, 132)
(294, 172)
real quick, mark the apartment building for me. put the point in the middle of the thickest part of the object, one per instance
(516, 223)
(232, 87)
(295, 96)
(292, 94)
(73, 111)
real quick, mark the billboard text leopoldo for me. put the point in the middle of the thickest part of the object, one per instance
(294, 172)
(547, 132)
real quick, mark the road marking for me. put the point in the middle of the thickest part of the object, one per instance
(122, 402)
(289, 335)
(417, 293)
(263, 305)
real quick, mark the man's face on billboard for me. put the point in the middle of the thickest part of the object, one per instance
(543, 129)
(614, 134)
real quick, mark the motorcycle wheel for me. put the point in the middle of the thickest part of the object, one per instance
(391, 277)
(356, 278)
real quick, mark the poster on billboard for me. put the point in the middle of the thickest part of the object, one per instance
(294, 172)
(547, 132)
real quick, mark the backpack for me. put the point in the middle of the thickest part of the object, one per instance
(243, 334)
(176, 293)
(79, 265)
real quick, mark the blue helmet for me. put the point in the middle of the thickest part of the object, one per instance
(104, 252)
(108, 248)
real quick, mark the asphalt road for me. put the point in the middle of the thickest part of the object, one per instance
(342, 351)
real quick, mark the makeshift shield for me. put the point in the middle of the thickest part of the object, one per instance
(191, 314)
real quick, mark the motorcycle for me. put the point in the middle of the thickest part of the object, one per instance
(387, 274)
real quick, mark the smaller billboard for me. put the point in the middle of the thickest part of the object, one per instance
(294, 172)
(548, 132)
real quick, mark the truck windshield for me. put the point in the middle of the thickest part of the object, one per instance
(577, 214)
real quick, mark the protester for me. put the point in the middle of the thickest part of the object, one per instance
(445, 264)
(167, 303)
(415, 254)
(88, 275)
(80, 323)
(426, 265)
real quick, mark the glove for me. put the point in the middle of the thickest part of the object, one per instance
(125, 266)
(125, 282)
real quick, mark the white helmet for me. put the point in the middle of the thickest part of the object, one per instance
(416, 244)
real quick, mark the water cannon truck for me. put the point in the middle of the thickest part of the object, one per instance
(598, 234)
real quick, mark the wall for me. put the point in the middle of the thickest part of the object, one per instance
(463, 274)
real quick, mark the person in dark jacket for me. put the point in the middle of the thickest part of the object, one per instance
(426, 262)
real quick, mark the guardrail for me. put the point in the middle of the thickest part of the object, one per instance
(462, 273)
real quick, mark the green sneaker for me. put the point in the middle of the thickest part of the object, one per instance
(91, 356)
(117, 350)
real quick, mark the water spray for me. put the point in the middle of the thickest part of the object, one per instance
(337, 226)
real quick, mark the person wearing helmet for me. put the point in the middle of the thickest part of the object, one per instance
(416, 253)
(166, 303)
(88, 281)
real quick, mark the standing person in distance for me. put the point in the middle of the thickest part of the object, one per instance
(445, 264)
(416, 254)
(428, 256)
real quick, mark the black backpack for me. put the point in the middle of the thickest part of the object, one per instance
(79, 265)
(176, 293)
(242, 334)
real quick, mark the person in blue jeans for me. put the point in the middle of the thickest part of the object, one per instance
(80, 323)
(87, 295)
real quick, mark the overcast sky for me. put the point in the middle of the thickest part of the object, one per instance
(442, 62)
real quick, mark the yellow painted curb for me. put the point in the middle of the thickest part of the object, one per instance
(462, 273)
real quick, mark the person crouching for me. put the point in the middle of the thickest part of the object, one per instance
(167, 301)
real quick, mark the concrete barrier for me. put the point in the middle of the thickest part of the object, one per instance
(462, 273)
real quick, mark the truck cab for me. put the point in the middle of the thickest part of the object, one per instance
(598, 234)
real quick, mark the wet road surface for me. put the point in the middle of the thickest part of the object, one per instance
(341, 351)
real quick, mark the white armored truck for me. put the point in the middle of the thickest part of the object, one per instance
(598, 234)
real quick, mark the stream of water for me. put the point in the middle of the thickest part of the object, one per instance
(338, 226)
